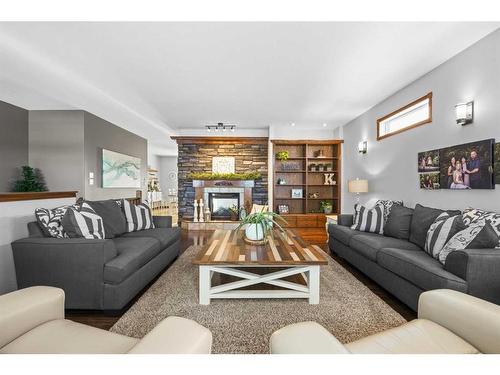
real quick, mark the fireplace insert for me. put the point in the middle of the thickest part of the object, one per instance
(219, 204)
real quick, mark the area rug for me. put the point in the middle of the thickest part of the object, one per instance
(347, 309)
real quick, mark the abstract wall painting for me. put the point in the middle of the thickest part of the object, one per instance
(120, 170)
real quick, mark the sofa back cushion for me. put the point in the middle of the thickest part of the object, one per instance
(422, 219)
(83, 222)
(398, 222)
(139, 217)
(440, 232)
(369, 219)
(115, 223)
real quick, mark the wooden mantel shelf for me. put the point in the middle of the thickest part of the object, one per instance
(27, 196)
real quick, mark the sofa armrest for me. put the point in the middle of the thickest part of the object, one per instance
(25, 309)
(480, 268)
(175, 335)
(75, 265)
(162, 221)
(305, 338)
(345, 219)
(473, 319)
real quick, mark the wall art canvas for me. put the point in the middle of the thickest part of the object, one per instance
(430, 181)
(467, 166)
(497, 163)
(428, 161)
(120, 170)
(223, 164)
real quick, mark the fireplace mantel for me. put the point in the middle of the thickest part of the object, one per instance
(223, 183)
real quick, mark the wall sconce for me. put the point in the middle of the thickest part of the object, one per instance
(363, 147)
(464, 113)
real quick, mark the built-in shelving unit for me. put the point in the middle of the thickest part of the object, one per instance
(301, 171)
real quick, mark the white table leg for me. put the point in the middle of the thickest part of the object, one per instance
(205, 285)
(313, 285)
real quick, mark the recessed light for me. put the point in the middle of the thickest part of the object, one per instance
(292, 124)
(324, 124)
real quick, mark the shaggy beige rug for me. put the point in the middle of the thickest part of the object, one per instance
(347, 309)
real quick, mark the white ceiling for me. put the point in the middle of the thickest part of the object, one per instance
(160, 79)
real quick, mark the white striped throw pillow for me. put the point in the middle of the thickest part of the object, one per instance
(138, 217)
(83, 222)
(440, 232)
(369, 219)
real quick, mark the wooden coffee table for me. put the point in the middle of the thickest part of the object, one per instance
(285, 254)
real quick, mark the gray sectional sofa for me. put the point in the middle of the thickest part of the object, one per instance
(406, 270)
(96, 274)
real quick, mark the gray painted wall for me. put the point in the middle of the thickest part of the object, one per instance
(390, 164)
(56, 147)
(13, 143)
(168, 164)
(101, 134)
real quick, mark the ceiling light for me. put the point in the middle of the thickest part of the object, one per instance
(220, 126)
(324, 124)
(293, 124)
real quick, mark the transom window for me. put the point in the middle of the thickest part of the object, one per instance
(418, 112)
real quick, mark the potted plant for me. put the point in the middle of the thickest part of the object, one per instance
(326, 207)
(321, 167)
(259, 224)
(312, 167)
(282, 155)
(234, 212)
(328, 167)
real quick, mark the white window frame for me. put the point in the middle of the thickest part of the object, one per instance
(402, 112)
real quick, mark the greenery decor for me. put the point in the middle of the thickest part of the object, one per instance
(263, 222)
(234, 211)
(282, 155)
(32, 180)
(224, 176)
(326, 207)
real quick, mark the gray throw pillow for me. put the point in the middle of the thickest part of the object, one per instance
(422, 219)
(112, 215)
(399, 222)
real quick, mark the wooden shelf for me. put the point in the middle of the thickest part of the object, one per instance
(306, 211)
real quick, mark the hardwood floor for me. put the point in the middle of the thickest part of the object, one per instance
(316, 236)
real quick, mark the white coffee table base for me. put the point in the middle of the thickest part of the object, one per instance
(233, 289)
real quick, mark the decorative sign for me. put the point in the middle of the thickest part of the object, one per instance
(223, 164)
(329, 179)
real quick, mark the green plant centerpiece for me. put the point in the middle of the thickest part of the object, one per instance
(234, 211)
(32, 180)
(224, 176)
(259, 224)
(282, 155)
(326, 207)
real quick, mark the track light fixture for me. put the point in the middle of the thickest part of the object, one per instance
(220, 127)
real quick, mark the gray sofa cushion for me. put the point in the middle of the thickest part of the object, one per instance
(166, 236)
(420, 269)
(341, 233)
(114, 220)
(133, 253)
(398, 222)
(422, 219)
(369, 244)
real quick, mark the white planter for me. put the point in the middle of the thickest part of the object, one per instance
(254, 232)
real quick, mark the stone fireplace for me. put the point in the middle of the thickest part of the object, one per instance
(196, 154)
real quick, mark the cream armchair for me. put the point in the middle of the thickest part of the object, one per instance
(32, 321)
(448, 322)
